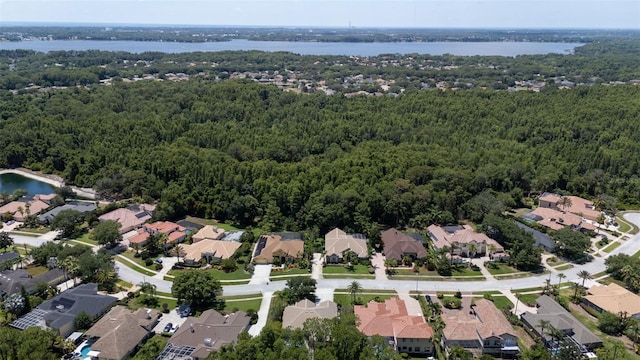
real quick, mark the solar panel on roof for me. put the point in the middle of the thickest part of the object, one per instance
(33, 318)
(171, 352)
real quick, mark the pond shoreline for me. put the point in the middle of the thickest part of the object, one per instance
(51, 179)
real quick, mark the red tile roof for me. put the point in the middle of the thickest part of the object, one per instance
(390, 319)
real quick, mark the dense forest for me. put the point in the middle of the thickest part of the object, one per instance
(254, 154)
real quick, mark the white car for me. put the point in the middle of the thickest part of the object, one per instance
(173, 329)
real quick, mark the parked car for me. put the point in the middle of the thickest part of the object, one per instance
(174, 328)
(159, 261)
(184, 310)
(428, 298)
(168, 328)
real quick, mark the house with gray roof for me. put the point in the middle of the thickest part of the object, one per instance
(199, 336)
(12, 281)
(60, 312)
(83, 207)
(542, 240)
(560, 319)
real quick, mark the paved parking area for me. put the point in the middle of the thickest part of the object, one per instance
(172, 317)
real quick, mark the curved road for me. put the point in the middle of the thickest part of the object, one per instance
(629, 247)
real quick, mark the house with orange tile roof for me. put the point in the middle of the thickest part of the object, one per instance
(578, 206)
(287, 248)
(556, 219)
(131, 217)
(390, 319)
(338, 242)
(208, 232)
(483, 330)
(612, 298)
(174, 232)
(27, 205)
(212, 251)
(460, 239)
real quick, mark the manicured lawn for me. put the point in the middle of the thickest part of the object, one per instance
(138, 260)
(564, 267)
(626, 226)
(141, 269)
(201, 221)
(239, 274)
(554, 261)
(501, 269)
(528, 298)
(340, 269)
(364, 291)
(295, 271)
(458, 270)
(87, 238)
(38, 230)
(242, 305)
(463, 270)
(502, 302)
(611, 247)
(364, 298)
(539, 288)
(36, 270)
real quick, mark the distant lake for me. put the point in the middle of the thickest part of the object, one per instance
(11, 182)
(305, 48)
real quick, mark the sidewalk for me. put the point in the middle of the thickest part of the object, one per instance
(519, 307)
(479, 262)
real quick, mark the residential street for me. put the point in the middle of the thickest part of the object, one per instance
(260, 284)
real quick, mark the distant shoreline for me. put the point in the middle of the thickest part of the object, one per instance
(53, 180)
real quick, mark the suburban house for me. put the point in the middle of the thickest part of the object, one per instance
(460, 240)
(12, 281)
(338, 242)
(59, 313)
(199, 336)
(484, 330)
(7, 261)
(612, 298)
(27, 205)
(212, 251)
(578, 206)
(560, 319)
(542, 240)
(556, 219)
(283, 248)
(118, 334)
(406, 333)
(130, 217)
(397, 245)
(295, 315)
(81, 206)
(209, 232)
(174, 232)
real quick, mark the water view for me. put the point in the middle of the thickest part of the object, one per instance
(11, 182)
(306, 48)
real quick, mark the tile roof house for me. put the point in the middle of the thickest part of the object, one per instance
(286, 248)
(484, 331)
(35, 205)
(78, 205)
(59, 313)
(130, 217)
(562, 320)
(295, 315)
(579, 206)
(213, 251)
(612, 298)
(390, 319)
(175, 233)
(460, 238)
(397, 245)
(337, 242)
(198, 336)
(208, 232)
(556, 219)
(118, 334)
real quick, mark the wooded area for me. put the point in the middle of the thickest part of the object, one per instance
(254, 154)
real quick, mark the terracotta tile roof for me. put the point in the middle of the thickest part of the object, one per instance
(614, 299)
(130, 217)
(441, 237)
(337, 241)
(218, 249)
(390, 319)
(140, 238)
(275, 245)
(555, 219)
(398, 244)
(488, 321)
(208, 232)
(579, 206)
(295, 315)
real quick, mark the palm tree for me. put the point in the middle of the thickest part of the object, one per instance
(407, 260)
(472, 250)
(547, 287)
(70, 267)
(178, 252)
(147, 288)
(565, 202)
(576, 287)
(556, 335)
(543, 325)
(458, 353)
(584, 275)
(560, 277)
(491, 248)
(354, 288)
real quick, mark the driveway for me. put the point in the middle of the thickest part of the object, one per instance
(413, 305)
(171, 317)
(377, 261)
(167, 264)
(316, 267)
(262, 314)
(324, 294)
(260, 275)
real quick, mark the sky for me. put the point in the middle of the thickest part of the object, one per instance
(556, 14)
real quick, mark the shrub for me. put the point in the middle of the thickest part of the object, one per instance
(488, 296)
(458, 294)
(158, 266)
(148, 261)
(372, 270)
(452, 303)
(439, 295)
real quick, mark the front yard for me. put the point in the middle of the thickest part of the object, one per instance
(341, 271)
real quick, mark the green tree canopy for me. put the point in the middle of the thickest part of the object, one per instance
(196, 287)
(107, 233)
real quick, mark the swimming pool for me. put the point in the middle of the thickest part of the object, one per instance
(85, 350)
